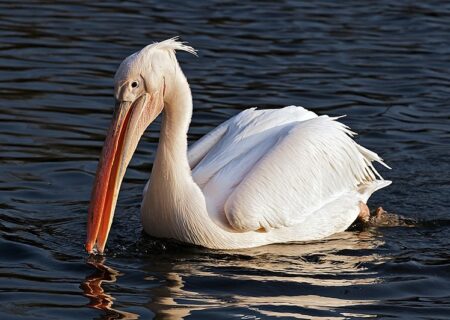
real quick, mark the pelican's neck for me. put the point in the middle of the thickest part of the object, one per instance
(174, 205)
(172, 149)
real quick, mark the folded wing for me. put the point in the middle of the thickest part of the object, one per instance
(266, 169)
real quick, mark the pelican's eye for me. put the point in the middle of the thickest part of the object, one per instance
(135, 84)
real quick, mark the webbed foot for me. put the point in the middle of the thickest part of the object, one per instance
(364, 213)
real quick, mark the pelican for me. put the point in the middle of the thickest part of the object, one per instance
(261, 177)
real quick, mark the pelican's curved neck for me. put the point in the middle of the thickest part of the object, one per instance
(171, 155)
(174, 205)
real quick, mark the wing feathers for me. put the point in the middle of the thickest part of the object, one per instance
(315, 163)
(265, 169)
(201, 147)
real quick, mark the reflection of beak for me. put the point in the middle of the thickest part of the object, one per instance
(92, 288)
(129, 123)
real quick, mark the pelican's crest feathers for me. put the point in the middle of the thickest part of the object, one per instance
(171, 45)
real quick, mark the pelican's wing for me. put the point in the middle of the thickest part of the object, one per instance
(273, 168)
(239, 142)
(221, 160)
(312, 165)
(201, 147)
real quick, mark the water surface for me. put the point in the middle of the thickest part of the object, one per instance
(385, 65)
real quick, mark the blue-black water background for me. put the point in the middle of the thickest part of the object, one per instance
(384, 64)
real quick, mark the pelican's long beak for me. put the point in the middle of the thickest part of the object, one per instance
(129, 123)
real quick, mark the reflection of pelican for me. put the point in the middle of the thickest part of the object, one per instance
(179, 288)
(186, 287)
(164, 299)
(99, 299)
(263, 176)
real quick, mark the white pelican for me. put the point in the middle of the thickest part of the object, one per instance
(262, 177)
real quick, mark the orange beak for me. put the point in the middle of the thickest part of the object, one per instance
(129, 123)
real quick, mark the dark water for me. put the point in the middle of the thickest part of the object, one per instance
(384, 64)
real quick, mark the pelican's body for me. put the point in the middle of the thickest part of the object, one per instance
(263, 176)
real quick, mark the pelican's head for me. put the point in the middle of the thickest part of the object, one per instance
(141, 85)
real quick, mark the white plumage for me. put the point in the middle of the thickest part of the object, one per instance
(271, 169)
(263, 176)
